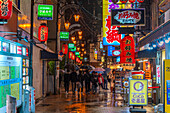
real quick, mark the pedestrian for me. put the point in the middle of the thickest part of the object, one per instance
(105, 80)
(66, 80)
(60, 79)
(73, 80)
(87, 81)
(81, 78)
(94, 82)
(101, 81)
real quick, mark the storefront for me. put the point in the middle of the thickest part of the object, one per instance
(14, 74)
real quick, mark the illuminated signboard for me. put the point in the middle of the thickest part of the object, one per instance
(158, 74)
(43, 33)
(64, 36)
(118, 59)
(110, 35)
(110, 49)
(138, 93)
(77, 53)
(45, 12)
(128, 17)
(74, 49)
(127, 55)
(70, 45)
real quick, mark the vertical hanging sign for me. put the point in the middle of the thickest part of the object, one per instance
(127, 56)
(43, 33)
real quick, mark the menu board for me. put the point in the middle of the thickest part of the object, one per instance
(10, 79)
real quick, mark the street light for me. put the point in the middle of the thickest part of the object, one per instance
(80, 37)
(67, 25)
(76, 17)
(80, 33)
(73, 38)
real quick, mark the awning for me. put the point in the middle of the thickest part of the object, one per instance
(155, 34)
(147, 54)
(50, 56)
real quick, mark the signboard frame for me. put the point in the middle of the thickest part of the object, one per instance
(114, 12)
(130, 81)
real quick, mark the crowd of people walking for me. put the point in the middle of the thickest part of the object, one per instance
(83, 79)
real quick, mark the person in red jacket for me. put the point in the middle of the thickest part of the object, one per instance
(101, 81)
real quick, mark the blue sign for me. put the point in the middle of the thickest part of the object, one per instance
(168, 91)
(110, 49)
(101, 45)
(116, 43)
(118, 59)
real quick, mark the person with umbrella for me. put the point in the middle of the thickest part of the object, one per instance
(94, 82)
(66, 80)
(87, 81)
(73, 80)
(105, 80)
(101, 81)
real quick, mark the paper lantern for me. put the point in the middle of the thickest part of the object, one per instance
(140, 1)
(64, 48)
(43, 33)
(5, 9)
(70, 55)
(123, 1)
(131, 1)
(73, 56)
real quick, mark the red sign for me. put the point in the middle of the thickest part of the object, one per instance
(43, 33)
(112, 34)
(73, 56)
(131, 1)
(116, 53)
(140, 1)
(5, 9)
(127, 47)
(123, 1)
(70, 55)
(19, 50)
(64, 48)
(26, 51)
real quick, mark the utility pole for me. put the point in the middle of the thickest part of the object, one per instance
(31, 45)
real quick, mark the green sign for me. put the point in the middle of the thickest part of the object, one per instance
(78, 56)
(45, 12)
(64, 36)
(81, 58)
(77, 53)
(70, 45)
(74, 49)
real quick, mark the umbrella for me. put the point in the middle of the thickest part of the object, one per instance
(107, 70)
(92, 67)
(99, 69)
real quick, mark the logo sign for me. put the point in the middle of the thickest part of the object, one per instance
(74, 49)
(116, 53)
(43, 33)
(5, 9)
(138, 92)
(45, 12)
(70, 45)
(64, 36)
(77, 53)
(158, 74)
(128, 17)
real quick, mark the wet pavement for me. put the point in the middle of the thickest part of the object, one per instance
(102, 102)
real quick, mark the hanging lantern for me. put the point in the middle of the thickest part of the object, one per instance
(84, 52)
(81, 55)
(80, 62)
(5, 10)
(70, 55)
(74, 42)
(67, 25)
(64, 48)
(140, 1)
(80, 37)
(76, 17)
(82, 45)
(80, 33)
(78, 49)
(82, 49)
(43, 33)
(131, 1)
(73, 56)
(123, 1)
(73, 38)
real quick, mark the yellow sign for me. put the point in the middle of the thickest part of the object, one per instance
(137, 76)
(167, 78)
(138, 92)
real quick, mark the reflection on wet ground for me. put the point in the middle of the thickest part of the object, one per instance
(82, 103)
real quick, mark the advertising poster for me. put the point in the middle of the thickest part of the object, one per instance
(10, 79)
(138, 92)
(158, 74)
(167, 85)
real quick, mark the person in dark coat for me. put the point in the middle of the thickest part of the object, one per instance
(87, 81)
(66, 81)
(81, 79)
(94, 81)
(73, 80)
